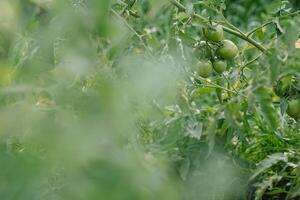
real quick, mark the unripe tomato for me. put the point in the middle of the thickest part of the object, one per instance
(228, 50)
(283, 86)
(293, 109)
(204, 69)
(220, 66)
(214, 33)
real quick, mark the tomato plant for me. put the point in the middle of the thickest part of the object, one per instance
(148, 99)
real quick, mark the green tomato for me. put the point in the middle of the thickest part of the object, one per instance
(283, 86)
(204, 69)
(228, 50)
(293, 109)
(220, 66)
(214, 33)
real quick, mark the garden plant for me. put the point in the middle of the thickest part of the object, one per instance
(149, 100)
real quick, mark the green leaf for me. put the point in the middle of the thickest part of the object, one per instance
(184, 168)
(283, 105)
(269, 162)
(266, 107)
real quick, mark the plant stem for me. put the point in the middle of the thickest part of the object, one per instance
(178, 5)
(221, 14)
(250, 62)
(259, 27)
(214, 85)
(290, 15)
(131, 28)
(272, 21)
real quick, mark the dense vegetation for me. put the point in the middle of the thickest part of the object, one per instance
(149, 99)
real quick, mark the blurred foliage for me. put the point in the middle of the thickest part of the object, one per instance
(100, 100)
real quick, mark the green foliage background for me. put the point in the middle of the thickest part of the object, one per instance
(99, 100)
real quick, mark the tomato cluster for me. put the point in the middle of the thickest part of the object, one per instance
(219, 50)
(287, 87)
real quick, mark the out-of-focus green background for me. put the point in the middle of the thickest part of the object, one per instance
(67, 126)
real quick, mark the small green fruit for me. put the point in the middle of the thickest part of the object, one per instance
(228, 50)
(214, 33)
(220, 66)
(204, 69)
(293, 109)
(283, 86)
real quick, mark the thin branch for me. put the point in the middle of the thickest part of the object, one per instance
(178, 5)
(272, 21)
(247, 64)
(214, 85)
(134, 14)
(130, 28)
(296, 13)
(259, 27)
(228, 81)
(251, 61)
(221, 14)
(128, 8)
